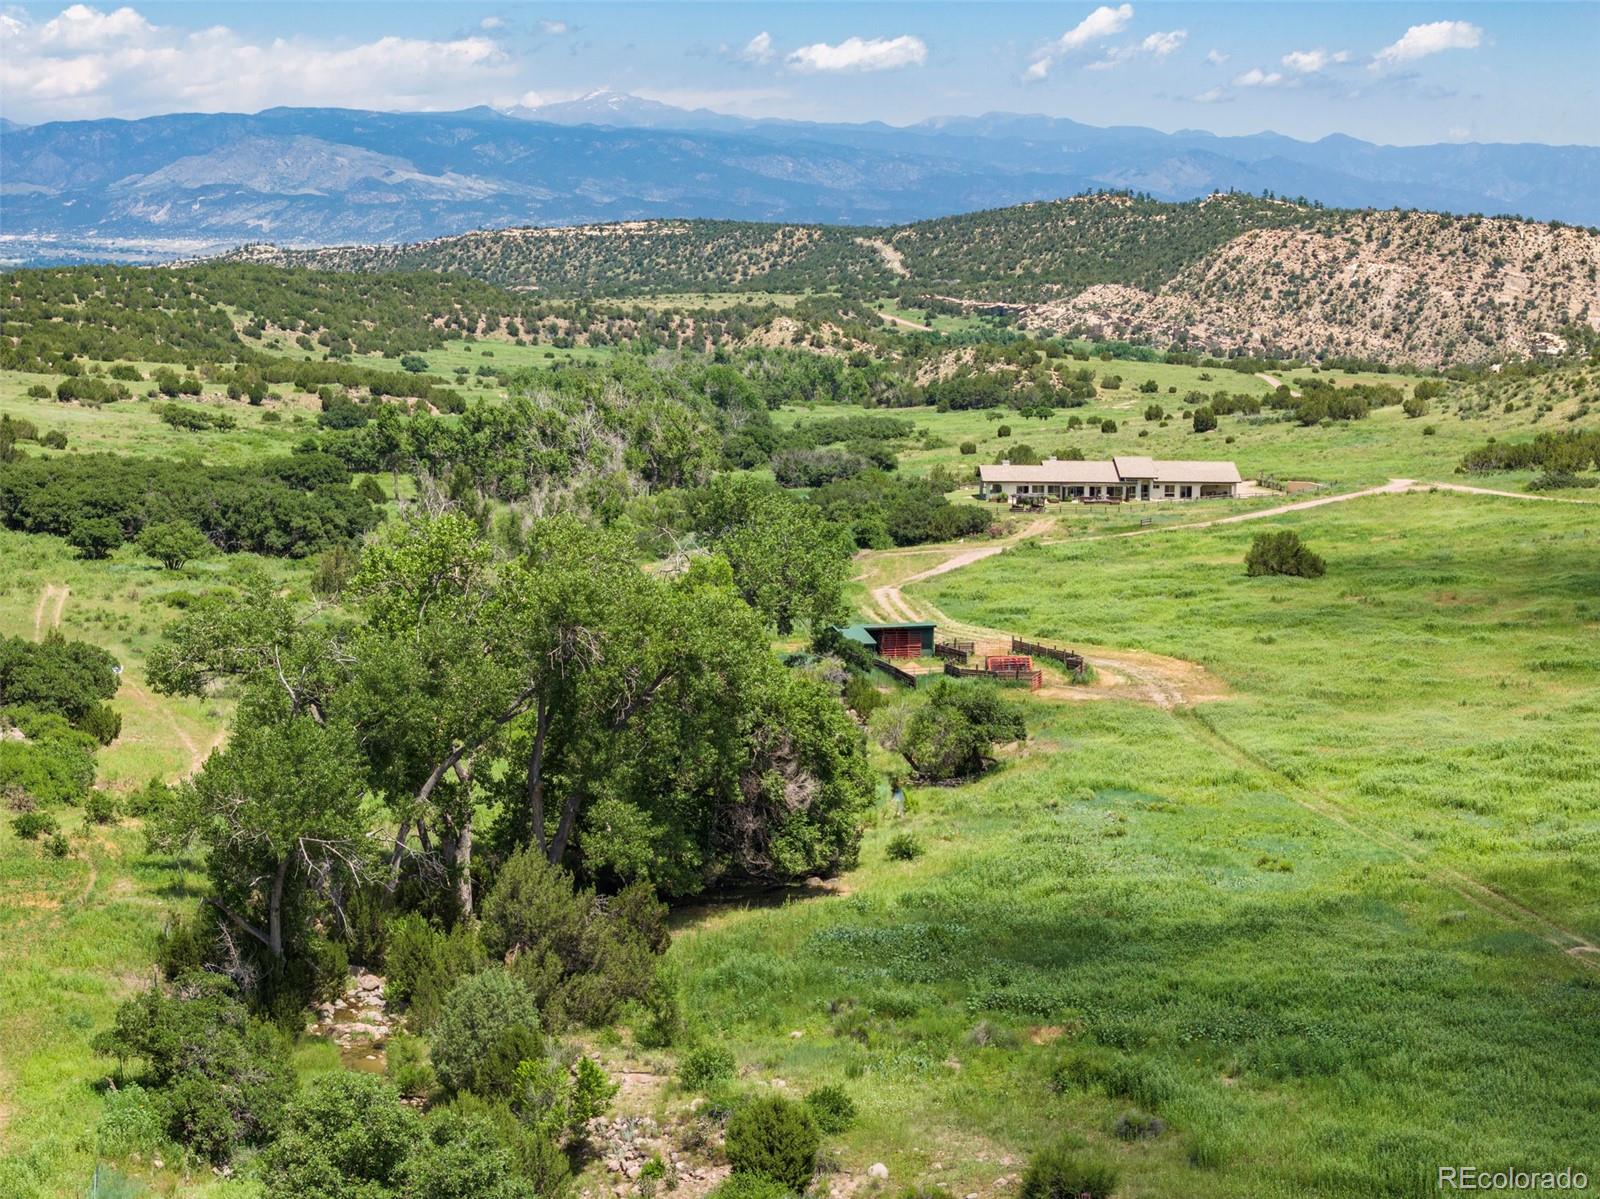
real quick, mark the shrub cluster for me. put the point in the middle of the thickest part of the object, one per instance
(1060, 1171)
(774, 1138)
(582, 959)
(952, 734)
(277, 507)
(1282, 553)
(221, 1077)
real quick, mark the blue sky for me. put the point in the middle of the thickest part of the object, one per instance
(1394, 73)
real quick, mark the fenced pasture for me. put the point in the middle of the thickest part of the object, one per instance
(1071, 659)
(1021, 676)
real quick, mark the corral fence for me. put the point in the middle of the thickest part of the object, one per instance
(1015, 675)
(955, 651)
(895, 672)
(1067, 658)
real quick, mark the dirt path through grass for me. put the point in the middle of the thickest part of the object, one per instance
(1315, 800)
(1392, 487)
(1508, 495)
(888, 599)
(57, 592)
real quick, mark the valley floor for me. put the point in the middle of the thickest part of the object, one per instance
(1314, 884)
(1335, 927)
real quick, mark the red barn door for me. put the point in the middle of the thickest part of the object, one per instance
(900, 643)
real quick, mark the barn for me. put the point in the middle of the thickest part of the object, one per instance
(913, 640)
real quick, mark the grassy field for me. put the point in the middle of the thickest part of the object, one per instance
(502, 355)
(1281, 922)
(1385, 445)
(1239, 918)
(122, 604)
(942, 322)
(132, 427)
(79, 933)
(1434, 681)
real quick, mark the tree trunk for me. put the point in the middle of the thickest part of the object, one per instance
(464, 869)
(569, 817)
(535, 811)
(399, 852)
(456, 841)
(275, 909)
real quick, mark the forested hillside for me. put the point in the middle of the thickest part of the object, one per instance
(1230, 273)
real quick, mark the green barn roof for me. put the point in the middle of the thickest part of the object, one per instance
(862, 633)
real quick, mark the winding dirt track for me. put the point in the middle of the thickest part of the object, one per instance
(1176, 686)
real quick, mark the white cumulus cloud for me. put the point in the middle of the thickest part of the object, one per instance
(1102, 23)
(1256, 77)
(1158, 44)
(1163, 44)
(553, 28)
(86, 63)
(758, 48)
(82, 28)
(1422, 40)
(1309, 62)
(861, 54)
(1216, 57)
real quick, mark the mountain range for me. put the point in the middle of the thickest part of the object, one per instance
(188, 183)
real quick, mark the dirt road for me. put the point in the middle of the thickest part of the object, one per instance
(1507, 495)
(888, 599)
(53, 593)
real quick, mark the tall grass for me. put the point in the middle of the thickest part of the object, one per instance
(1164, 927)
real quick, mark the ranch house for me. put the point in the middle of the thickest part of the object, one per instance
(1115, 481)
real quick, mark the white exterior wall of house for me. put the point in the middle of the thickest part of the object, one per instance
(1124, 479)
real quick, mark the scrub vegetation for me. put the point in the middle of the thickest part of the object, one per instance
(430, 771)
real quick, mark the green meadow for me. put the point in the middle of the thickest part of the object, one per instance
(1385, 445)
(1275, 921)
(132, 426)
(1317, 929)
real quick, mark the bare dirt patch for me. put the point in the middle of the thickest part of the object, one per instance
(893, 260)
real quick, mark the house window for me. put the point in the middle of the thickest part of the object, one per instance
(1185, 492)
(1168, 490)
